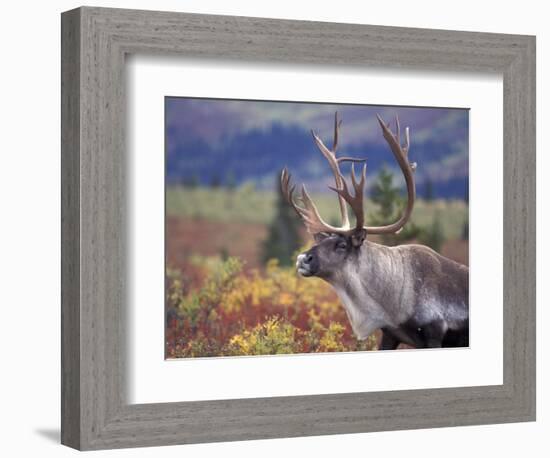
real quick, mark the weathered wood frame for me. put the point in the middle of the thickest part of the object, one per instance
(95, 414)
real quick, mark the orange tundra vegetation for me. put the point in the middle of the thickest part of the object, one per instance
(217, 308)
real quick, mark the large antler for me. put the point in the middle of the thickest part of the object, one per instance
(401, 155)
(334, 164)
(309, 213)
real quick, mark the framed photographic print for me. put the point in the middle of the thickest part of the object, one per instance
(266, 234)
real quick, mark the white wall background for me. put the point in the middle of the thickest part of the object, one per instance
(29, 232)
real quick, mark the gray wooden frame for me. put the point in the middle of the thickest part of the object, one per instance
(95, 41)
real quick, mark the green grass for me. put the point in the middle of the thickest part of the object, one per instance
(247, 205)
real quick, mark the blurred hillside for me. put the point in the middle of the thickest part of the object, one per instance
(216, 142)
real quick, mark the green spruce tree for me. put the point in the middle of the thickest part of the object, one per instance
(428, 190)
(230, 180)
(389, 204)
(283, 238)
(433, 236)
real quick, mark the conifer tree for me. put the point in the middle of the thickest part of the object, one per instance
(389, 203)
(428, 190)
(283, 238)
(433, 236)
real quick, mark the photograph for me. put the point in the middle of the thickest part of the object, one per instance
(298, 227)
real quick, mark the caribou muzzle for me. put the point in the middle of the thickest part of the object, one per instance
(307, 264)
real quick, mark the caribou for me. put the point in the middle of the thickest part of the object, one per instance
(410, 292)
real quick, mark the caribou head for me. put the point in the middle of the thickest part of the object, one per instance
(336, 244)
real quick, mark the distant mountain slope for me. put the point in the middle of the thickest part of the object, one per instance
(257, 155)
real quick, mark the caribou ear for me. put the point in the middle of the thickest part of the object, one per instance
(358, 237)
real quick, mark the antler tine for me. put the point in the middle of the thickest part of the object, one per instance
(313, 220)
(355, 201)
(337, 125)
(330, 156)
(288, 191)
(349, 159)
(407, 141)
(397, 129)
(309, 212)
(401, 155)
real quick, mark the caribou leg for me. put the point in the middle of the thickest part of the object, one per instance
(389, 341)
(433, 334)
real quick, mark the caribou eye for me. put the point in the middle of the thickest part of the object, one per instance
(341, 246)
